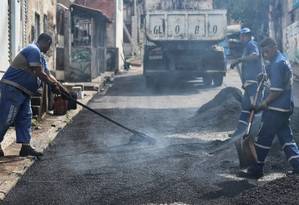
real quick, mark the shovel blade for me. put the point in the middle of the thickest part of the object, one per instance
(246, 151)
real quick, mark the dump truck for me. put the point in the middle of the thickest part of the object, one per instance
(182, 37)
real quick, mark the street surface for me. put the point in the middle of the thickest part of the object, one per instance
(93, 162)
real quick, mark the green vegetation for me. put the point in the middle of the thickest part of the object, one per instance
(252, 14)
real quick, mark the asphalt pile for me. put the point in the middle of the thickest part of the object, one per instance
(219, 114)
(280, 191)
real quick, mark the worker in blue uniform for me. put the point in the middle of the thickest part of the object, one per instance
(277, 108)
(250, 69)
(22, 80)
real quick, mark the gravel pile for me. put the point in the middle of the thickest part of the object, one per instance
(280, 191)
(219, 114)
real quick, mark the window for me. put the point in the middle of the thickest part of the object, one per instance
(46, 24)
(82, 32)
(36, 26)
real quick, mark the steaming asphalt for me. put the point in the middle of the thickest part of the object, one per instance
(91, 162)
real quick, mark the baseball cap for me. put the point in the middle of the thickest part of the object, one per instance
(245, 31)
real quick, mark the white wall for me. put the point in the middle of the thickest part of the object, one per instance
(16, 28)
(4, 52)
(119, 24)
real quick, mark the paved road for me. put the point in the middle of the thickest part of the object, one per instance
(93, 161)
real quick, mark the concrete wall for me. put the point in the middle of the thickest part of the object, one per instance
(43, 8)
(132, 17)
(115, 32)
(4, 51)
(13, 30)
(119, 24)
(16, 28)
(291, 33)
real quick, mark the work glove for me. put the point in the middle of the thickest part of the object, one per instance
(55, 88)
(260, 107)
(262, 77)
(62, 89)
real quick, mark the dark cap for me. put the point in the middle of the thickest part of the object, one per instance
(45, 38)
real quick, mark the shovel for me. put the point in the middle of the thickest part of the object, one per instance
(137, 136)
(244, 140)
(245, 144)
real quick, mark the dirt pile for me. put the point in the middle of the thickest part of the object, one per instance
(280, 191)
(219, 114)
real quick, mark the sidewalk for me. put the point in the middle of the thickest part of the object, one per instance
(13, 167)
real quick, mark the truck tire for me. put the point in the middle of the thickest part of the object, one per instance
(218, 79)
(207, 80)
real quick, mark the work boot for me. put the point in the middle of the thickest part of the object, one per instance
(253, 172)
(27, 150)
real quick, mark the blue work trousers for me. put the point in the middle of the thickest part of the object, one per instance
(277, 123)
(15, 109)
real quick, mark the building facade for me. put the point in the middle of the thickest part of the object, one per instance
(284, 28)
(24, 21)
(86, 52)
(113, 9)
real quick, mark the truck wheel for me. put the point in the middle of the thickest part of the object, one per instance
(218, 80)
(207, 80)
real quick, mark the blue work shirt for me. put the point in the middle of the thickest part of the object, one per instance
(20, 73)
(251, 69)
(280, 75)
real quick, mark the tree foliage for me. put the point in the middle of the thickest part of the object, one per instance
(253, 13)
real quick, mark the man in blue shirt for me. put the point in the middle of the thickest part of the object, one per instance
(22, 80)
(251, 68)
(277, 106)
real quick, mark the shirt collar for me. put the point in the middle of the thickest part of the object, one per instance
(279, 57)
(36, 44)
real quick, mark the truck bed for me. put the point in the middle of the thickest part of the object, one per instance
(204, 25)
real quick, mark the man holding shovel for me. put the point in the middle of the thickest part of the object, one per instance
(277, 106)
(251, 68)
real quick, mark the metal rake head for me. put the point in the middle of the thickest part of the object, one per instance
(139, 138)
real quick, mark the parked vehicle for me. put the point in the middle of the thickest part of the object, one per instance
(183, 37)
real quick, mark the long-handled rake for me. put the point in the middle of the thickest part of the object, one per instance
(137, 136)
